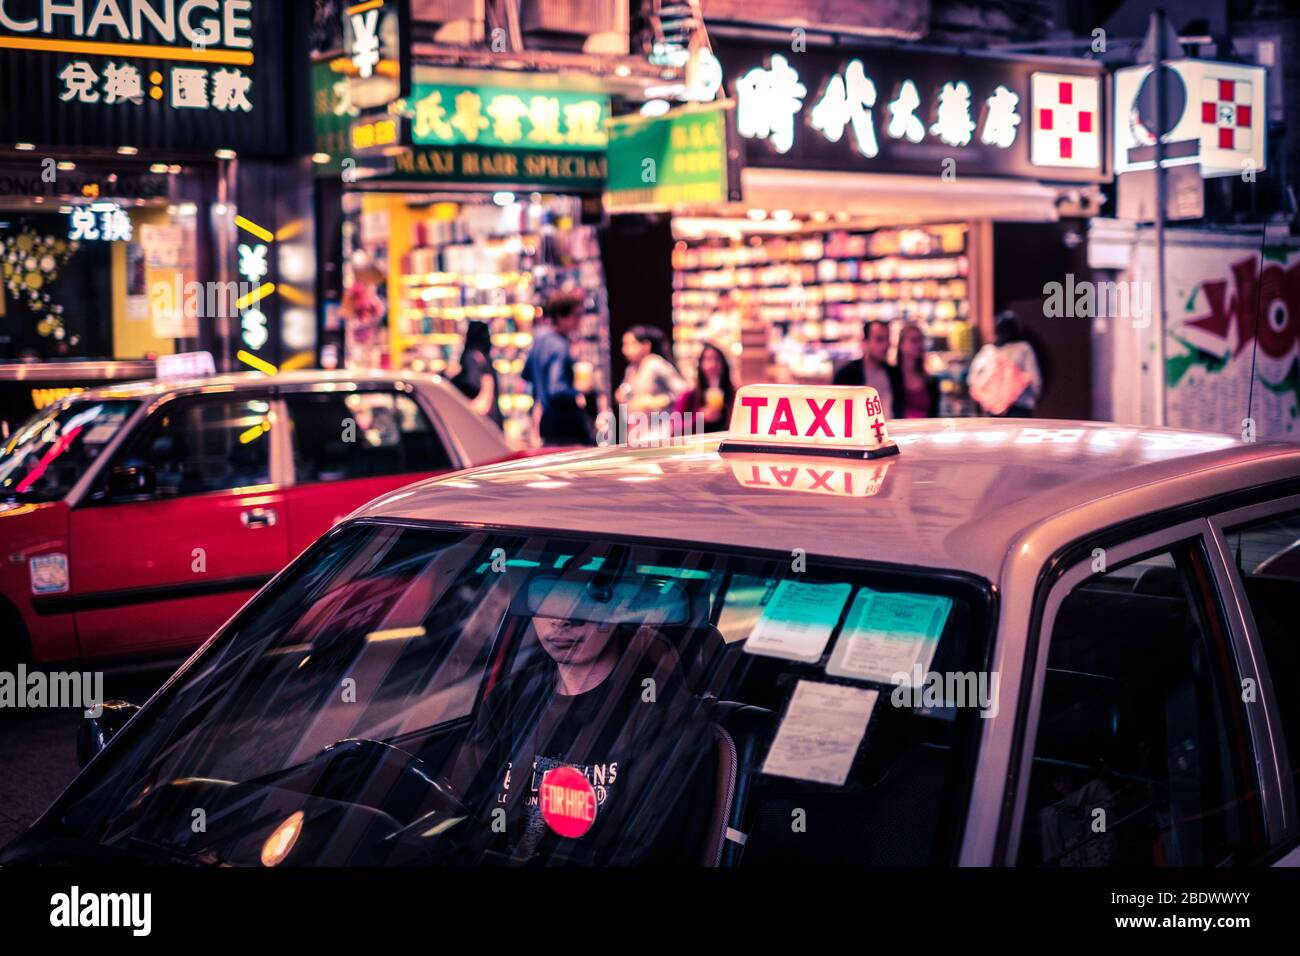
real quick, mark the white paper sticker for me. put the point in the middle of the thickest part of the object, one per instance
(798, 621)
(101, 433)
(887, 634)
(821, 731)
(49, 573)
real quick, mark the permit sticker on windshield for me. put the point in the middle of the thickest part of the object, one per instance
(101, 432)
(820, 734)
(888, 634)
(798, 621)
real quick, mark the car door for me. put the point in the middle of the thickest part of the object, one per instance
(1138, 749)
(351, 445)
(1260, 545)
(162, 569)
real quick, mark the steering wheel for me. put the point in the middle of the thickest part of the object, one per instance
(414, 772)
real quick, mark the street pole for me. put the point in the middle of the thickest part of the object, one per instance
(1158, 31)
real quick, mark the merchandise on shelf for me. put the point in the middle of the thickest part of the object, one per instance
(811, 292)
(499, 265)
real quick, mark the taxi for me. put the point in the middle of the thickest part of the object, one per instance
(821, 639)
(137, 518)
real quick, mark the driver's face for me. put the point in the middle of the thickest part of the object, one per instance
(572, 642)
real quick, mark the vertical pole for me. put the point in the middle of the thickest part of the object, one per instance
(1158, 30)
(223, 239)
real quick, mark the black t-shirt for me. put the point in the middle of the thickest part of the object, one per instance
(473, 366)
(649, 762)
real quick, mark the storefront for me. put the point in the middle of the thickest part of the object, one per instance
(146, 190)
(883, 183)
(466, 195)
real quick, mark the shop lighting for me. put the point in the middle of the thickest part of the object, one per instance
(187, 209)
(757, 215)
(25, 147)
(127, 150)
(654, 108)
(225, 154)
(782, 215)
(174, 168)
(320, 159)
(67, 166)
(158, 169)
(503, 198)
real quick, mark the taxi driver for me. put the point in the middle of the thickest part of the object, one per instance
(606, 701)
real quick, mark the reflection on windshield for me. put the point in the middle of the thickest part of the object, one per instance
(415, 696)
(44, 458)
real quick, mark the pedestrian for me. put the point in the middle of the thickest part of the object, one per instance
(919, 396)
(651, 382)
(873, 368)
(558, 407)
(1004, 376)
(477, 379)
(713, 395)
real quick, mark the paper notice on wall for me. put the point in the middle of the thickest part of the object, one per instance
(162, 246)
(798, 621)
(887, 634)
(820, 733)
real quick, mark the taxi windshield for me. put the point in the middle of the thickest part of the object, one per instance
(413, 695)
(44, 457)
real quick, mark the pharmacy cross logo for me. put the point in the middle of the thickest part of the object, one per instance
(1225, 108)
(1066, 126)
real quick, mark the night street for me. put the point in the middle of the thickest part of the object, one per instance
(853, 437)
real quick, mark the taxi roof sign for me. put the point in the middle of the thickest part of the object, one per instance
(841, 421)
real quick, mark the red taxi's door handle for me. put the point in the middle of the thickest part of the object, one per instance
(258, 517)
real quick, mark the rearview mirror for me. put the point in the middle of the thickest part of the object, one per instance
(131, 481)
(632, 600)
(94, 733)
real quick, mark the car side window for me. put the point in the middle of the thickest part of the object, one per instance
(1142, 755)
(209, 443)
(337, 436)
(1267, 556)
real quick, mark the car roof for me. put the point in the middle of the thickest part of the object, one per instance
(153, 388)
(961, 495)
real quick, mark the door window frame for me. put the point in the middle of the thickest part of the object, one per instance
(1270, 748)
(151, 413)
(455, 453)
(1198, 534)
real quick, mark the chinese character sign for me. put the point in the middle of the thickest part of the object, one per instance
(893, 110)
(101, 222)
(199, 75)
(451, 115)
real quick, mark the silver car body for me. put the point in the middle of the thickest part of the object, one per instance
(1019, 504)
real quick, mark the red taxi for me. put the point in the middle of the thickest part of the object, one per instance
(137, 518)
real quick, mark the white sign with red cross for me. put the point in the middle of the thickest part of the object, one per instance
(1223, 112)
(1066, 123)
(1227, 109)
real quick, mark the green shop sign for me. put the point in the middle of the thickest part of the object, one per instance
(500, 135)
(680, 158)
(570, 171)
(451, 115)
